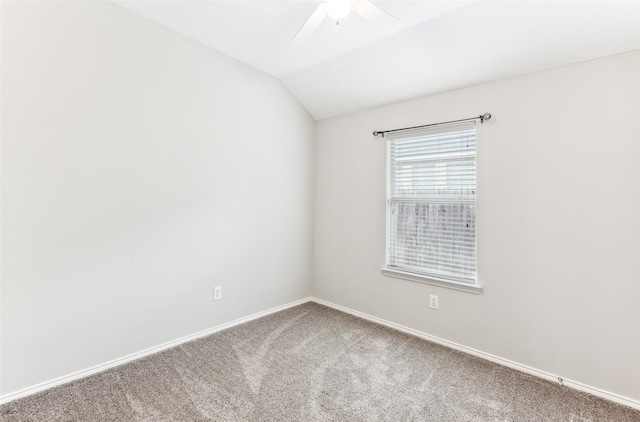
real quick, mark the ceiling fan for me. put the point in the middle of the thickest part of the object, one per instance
(339, 9)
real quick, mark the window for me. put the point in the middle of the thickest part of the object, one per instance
(431, 206)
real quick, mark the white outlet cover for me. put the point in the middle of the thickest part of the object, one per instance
(433, 301)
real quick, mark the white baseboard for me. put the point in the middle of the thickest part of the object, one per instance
(505, 362)
(496, 359)
(146, 352)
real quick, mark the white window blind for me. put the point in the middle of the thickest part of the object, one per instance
(431, 202)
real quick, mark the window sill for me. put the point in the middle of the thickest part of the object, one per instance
(434, 281)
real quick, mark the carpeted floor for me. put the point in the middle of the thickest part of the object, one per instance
(312, 363)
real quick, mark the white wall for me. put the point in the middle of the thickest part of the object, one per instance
(139, 169)
(558, 222)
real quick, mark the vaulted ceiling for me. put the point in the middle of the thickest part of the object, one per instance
(437, 46)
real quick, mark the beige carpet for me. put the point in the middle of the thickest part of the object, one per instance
(312, 363)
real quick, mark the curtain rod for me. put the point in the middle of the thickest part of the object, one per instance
(482, 118)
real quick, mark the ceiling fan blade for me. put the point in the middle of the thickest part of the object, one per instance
(312, 23)
(373, 13)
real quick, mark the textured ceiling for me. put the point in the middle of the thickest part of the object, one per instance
(440, 45)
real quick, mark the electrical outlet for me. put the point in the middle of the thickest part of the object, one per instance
(217, 293)
(433, 301)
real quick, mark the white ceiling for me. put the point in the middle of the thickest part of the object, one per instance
(439, 46)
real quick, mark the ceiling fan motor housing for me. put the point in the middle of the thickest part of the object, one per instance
(338, 9)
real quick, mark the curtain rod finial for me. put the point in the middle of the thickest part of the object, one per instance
(485, 116)
(376, 133)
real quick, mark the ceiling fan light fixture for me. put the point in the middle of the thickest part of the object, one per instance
(338, 9)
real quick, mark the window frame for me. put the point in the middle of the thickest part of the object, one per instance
(425, 277)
